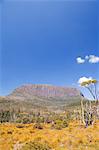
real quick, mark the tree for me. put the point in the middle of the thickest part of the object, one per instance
(91, 85)
(87, 111)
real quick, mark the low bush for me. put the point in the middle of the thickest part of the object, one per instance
(5, 116)
(36, 146)
(65, 124)
(20, 126)
(59, 124)
(9, 131)
(38, 126)
(19, 120)
(25, 120)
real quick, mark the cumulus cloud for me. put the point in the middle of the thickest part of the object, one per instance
(80, 60)
(86, 57)
(84, 79)
(93, 59)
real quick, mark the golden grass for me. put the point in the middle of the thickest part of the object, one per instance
(74, 137)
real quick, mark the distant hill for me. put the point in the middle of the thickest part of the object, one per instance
(41, 97)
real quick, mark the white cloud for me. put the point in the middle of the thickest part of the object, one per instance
(93, 59)
(84, 79)
(86, 57)
(80, 60)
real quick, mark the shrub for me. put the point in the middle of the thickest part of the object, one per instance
(38, 126)
(19, 120)
(5, 116)
(33, 120)
(36, 146)
(9, 131)
(59, 124)
(20, 126)
(40, 119)
(65, 124)
(26, 120)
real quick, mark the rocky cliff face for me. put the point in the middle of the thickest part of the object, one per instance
(47, 91)
(41, 97)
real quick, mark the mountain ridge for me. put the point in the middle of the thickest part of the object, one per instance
(44, 90)
(42, 96)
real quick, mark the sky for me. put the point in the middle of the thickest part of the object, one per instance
(46, 42)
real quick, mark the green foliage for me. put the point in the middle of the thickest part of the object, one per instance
(35, 145)
(40, 119)
(59, 124)
(5, 116)
(19, 120)
(60, 120)
(25, 120)
(65, 124)
(38, 126)
(33, 120)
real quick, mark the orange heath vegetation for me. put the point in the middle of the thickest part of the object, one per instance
(14, 136)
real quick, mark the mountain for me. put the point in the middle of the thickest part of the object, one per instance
(43, 97)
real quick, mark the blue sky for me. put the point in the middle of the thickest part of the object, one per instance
(40, 41)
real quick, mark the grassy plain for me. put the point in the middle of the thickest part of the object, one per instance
(74, 137)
